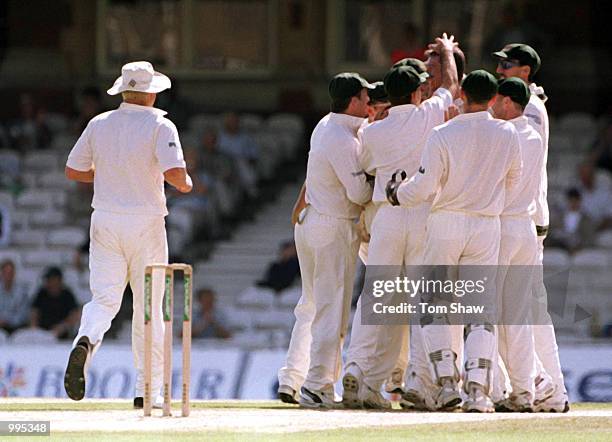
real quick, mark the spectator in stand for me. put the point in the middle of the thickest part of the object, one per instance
(55, 307)
(14, 302)
(90, 105)
(208, 321)
(5, 225)
(30, 131)
(411, 46)
(222, 170)
(282, 272)
(602, 149)
(241, 147)
(198, 199)
(199, 202)
(576, 229)
(595, 187)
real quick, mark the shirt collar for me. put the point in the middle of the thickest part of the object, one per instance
(138, 107)
(353, 123)
(482, 115)
(401, 108)
(520, 122)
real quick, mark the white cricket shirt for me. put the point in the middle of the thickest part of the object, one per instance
(335, 182)
(130, 148)
(521, 201)
(397, 141)
(536, 113)
(469, 164)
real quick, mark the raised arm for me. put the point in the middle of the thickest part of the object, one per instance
(445, 46)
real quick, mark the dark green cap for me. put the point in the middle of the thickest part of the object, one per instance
(516, 89)
(378, 94)
(402, 81)
(415, 63)
(524, 54)
(479, 86)
(347, 85)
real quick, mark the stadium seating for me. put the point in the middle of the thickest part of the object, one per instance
(32, 336)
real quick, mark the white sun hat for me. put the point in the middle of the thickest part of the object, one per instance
(139, 76)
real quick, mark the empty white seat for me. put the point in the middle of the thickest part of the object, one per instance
(273, 319)
(40, 161)
(286, 122)
(35, 199)
(44, 258)
(46, 218)
(560, 142)
(239, 319)
(605, 239)
(54, 180)
(56, 122)
(6, 199)
(591, 258)
(62, 144)
(556, 257)
(10, 163)
(28, 238)
(577, 121)
(33, 336)
(66, 236)
(3, 337)
(251, 122)
(289, 297)
(256, 297)
(201, 122)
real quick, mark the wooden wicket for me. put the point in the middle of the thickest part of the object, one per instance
(167, 315)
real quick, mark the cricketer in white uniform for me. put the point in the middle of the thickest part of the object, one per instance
(397, 233)
(418, 390)
(127, 153)
(377, 109)
(518, 252)
(468, 165)
(327, 241)
(522, 61)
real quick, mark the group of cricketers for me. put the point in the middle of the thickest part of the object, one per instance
(471, 153)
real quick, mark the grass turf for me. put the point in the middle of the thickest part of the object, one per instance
(559, 429)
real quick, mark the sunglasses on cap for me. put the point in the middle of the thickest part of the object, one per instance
(508, 64)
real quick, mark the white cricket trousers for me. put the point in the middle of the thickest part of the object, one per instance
(121, 246)
(327, 251)
(463, 239)
(518, 254)
(396, 240)
(545, 340)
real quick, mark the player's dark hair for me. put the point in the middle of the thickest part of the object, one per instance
(459, 57)
(339, 105)
(398, 101)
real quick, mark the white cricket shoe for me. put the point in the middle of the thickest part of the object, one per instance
(448, 397)
(395, 384)
(516, 403)
(478, 401)
(351, 383)
(544, 388)
(288, 395)
(558, 403)
(319, 399)
(372, 399)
